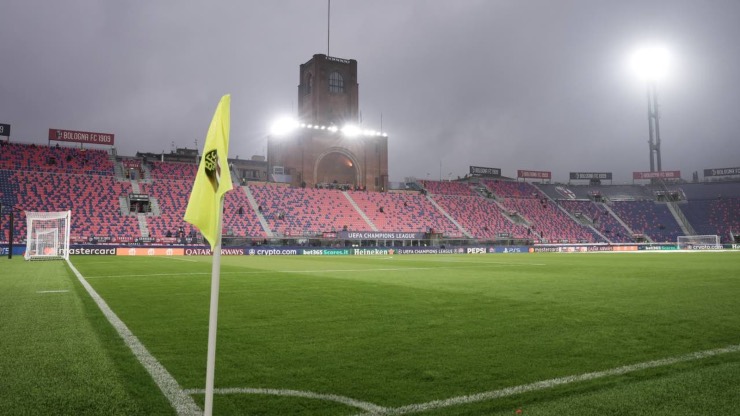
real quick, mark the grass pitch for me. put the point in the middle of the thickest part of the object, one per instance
(409, 330)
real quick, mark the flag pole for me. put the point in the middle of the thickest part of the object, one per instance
(213, 315)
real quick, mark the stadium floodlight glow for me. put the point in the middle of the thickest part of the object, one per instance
(651, 62)
(333, 129)
(350, 130)
(283, 126)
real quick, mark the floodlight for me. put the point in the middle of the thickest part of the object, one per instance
(283, 126)
(651, 62)
(351, 130)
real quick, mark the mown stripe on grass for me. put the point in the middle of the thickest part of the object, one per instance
(180, 401)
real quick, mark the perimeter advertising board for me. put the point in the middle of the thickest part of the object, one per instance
(81, 137)
(578, 176)
(429, 250)
(378, 235)
(483, 171)
(205, 251)
(326, 252)
(509, 249)
(666, 174)
(91, 250)
(18, 250)
(149, 251)
(274, 251)
(533, 174)
(721, 172)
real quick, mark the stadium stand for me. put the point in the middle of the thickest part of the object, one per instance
(299, 211)
(547, 221)
(402, 212)
(511, 189)
(602, 219)
(481, 217)
(93, 200)
(448, 188)
(9, 191)
(653, 219)
(714, 216)
(59, 159)
(172, 198)
(172, 170)
(46, 178)
(239, 217)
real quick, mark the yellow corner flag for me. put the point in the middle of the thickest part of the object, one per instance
(213, 179)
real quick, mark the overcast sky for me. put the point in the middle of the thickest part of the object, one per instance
(511, 84)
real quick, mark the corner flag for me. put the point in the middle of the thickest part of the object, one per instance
(205, 209)
(213, 179)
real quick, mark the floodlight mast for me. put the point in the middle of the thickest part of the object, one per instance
(651, 64)
(654, 125)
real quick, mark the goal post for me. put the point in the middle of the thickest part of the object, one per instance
(47, 235)
(698, 242)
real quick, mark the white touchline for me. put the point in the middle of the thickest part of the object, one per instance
(180, 401)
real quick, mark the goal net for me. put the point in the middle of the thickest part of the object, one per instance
(699, 242)
(48, 235)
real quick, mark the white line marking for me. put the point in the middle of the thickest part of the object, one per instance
(372, 409)
(369, 407)
(180, 401)
(546, 384)
(52, 291)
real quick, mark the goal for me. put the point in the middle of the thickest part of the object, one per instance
(48, 235)
(698, 242)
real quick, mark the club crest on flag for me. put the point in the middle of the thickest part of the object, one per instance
(213, 168)
(212, 180)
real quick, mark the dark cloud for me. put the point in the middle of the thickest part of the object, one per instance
(534, 84)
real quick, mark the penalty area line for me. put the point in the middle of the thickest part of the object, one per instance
(182, 403)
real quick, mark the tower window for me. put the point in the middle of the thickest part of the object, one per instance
(336, 82)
